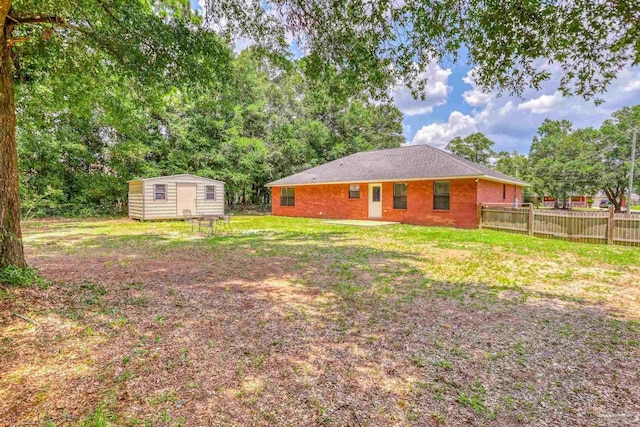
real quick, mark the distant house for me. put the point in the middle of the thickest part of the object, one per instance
(416, 184)
(166, 197)
(573, 201)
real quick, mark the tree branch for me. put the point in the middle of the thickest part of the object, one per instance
(14, 40)
(38, 19)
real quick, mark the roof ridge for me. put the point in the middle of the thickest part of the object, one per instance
(389, 148)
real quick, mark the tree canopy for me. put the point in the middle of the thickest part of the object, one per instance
(511, 44)
(475, 147)
(565, 161)
(260, 122)
(513, 164)
(91, 45)
(614, 153)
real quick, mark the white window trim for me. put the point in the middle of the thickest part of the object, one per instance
(207, 192)
(166, 190)
(441, 195)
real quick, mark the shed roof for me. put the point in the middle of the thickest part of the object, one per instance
(181, 175)
(411, 162)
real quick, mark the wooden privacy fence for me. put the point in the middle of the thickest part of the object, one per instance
(579, 226)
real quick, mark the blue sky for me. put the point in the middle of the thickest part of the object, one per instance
(510, 121)
(454, 106)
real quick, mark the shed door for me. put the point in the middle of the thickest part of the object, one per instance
(375, 200)
(186, 198)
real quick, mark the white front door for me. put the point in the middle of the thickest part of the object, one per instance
(375, 200)
(186, 198)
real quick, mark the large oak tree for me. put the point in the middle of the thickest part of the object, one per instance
(147, 42)
(614, 154)
(563, 161)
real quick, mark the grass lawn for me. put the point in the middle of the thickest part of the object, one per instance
(283, 321)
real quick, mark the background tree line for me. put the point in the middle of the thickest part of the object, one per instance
(564, 161)
(258, 118)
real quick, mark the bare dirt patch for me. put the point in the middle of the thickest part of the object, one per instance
(262, 333)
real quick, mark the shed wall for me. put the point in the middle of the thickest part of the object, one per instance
(135, 200)
(167, 209)
(210, 207)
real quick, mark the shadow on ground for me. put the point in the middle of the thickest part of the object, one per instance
(296, 328)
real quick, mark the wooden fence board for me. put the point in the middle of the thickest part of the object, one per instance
(626, 230)
(579, 226)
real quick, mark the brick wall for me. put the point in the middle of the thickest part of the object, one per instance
(331, 201)
(324, 201)
(462, 204)
(491, 192)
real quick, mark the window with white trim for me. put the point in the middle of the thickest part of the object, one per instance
(441, 195)
(399, 196)
(288, 196)
(159, 191)
(354, 191)
(209, 192)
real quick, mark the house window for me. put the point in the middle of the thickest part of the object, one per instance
(288, 196)
(399, 196)
(441, 195)
(504, 191)
(209, 192)
(354, 191)
(159, 191)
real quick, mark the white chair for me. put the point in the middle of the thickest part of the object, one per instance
(188, 217)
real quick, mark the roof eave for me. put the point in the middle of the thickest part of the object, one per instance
(504, 180)
(438, 178)
(174, 176)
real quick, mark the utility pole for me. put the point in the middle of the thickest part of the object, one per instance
(633, 161)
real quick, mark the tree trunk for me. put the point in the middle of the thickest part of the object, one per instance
(11, 250)
(615, 197)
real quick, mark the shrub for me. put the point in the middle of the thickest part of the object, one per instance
(15, 276)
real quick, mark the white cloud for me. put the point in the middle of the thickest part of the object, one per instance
(439, 134)
(435, 93)
(633, 85)
(506, 109)
(476, 96)
(543, 104)
(511, 121)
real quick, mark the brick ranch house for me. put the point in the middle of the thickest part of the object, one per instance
(417, 184)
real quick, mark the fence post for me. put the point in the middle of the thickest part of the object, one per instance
(612, 222)
(530, 222)
(479, 216)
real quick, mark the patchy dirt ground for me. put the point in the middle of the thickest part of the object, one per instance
(294, 322)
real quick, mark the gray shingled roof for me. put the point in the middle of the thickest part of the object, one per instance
(408, 162)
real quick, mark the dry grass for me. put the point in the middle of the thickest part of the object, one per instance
(296, 322)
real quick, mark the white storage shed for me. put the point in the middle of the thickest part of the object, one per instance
(166, 197)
